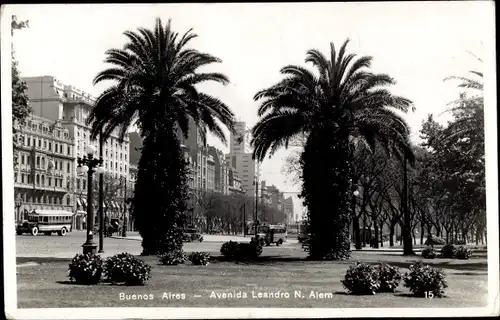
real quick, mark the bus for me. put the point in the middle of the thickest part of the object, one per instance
(272, 234)
(46, 221)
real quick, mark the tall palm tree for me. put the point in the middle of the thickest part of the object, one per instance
(343, 105)
(155, 77)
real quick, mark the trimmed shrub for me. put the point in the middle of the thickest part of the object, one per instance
(173, 258)
(361, 279)
(124, 268)
(463, 253)
(199, 258)
(429, 253)
(233, 250)
(422, 280)
(388, 276)
(433, 240)
(229, 249)
(448, 251)
(85, 269)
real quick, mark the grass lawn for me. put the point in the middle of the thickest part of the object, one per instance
(46, 285)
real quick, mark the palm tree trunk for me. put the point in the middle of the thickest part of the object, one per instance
(326, 169)
(162, 171)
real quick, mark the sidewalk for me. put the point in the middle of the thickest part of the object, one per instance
(206, 238)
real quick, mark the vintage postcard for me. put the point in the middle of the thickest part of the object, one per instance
(249, 160)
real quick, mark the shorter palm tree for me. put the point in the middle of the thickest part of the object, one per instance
(344, 104)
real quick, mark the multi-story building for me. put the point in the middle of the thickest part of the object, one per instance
(288, 203)
(240, 158)
(234, 182)
(43, 178)
(221, 170)
(53, 100)
(265, 196)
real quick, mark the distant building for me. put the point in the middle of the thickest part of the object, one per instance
(240, 158)
(221, 170)
(288, 203)
(234, 181)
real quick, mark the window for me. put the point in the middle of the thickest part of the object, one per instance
(22, 177)
(84, 183)
(38, 161)
(29, 141)
(39, 143)
(43, 163)
(55, 147)
(50, 146)
(61, 148)
(78, 183)
(49, 182)
(69, 150)
(43, 180)
(69, 167)
(22, 159)
(44, 144)
(68, 202)
(37, 179)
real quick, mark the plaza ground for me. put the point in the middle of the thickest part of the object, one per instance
(42, 279)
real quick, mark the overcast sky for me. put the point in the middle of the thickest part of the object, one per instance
(418, 44)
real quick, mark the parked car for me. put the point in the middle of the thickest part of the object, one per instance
(215, 231)
(191, 234)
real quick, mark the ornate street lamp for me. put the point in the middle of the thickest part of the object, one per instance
(18, 206)
(88, 164)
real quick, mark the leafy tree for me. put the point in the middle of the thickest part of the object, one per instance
(155, 77)
(20, 101)
(112, 188)
(345, 102)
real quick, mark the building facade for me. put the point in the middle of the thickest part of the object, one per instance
(289, 214)
(221, 170)
(45, 172)
(234, 182)
(52, 100)
(240, 158)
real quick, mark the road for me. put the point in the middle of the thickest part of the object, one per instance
(67, 246)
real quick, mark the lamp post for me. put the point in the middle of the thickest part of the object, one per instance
(18, 206)
(101, 199)
(88, 164)
(256, 184)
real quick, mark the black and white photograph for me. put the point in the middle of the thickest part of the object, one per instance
(249, 160)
